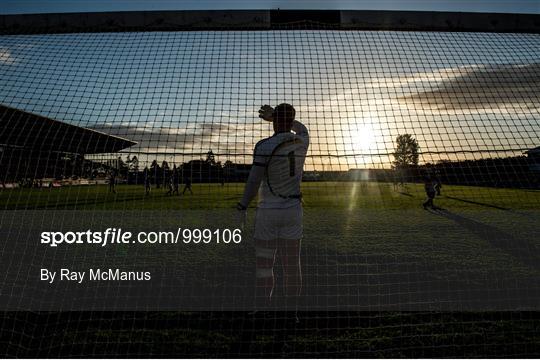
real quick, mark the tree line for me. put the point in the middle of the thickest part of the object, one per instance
(512, 172)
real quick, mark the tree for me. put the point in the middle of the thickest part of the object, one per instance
(165, 165)
(406, 152)
(405, 156)
(210, 158)
(122, 167)
(228, 170)
(155, 170)
(165, 169)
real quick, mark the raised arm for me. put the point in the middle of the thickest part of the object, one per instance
(301, 130)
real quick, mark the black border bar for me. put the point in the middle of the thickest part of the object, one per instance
(268, 20)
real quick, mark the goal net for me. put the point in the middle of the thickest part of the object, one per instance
(420, 190)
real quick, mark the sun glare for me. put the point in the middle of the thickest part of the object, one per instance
(363, 138)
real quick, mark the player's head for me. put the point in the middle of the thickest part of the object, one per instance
(283, 117)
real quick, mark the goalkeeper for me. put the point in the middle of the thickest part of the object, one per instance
(276, 175)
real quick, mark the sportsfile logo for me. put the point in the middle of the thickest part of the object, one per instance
(119, 236)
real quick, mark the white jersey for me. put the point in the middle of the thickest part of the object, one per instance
(283, 156)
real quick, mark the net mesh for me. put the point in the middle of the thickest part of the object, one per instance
(165, 128)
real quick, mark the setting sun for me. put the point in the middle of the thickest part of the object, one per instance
(362, 138)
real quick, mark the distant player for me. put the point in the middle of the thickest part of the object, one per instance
(438, 183)
(395, 180)
(276, 175)
(112, 182)
(187, 186)
(170, 185)
(175, 182)
(429, 187)
(147, 184)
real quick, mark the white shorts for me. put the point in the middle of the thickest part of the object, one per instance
(273, 224)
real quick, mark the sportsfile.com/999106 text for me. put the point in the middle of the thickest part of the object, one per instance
(119, 236)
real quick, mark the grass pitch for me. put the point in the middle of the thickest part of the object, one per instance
(365, 244)
(341, 195)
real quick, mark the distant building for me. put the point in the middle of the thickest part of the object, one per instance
(35, 147)
(533, 156)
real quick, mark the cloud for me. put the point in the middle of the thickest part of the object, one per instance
(179, 140)
(479, 87)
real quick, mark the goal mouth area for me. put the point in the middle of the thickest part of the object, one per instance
(148, 125)
(397, 104)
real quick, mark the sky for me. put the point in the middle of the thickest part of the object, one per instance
(180, 94)
(55, 6)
